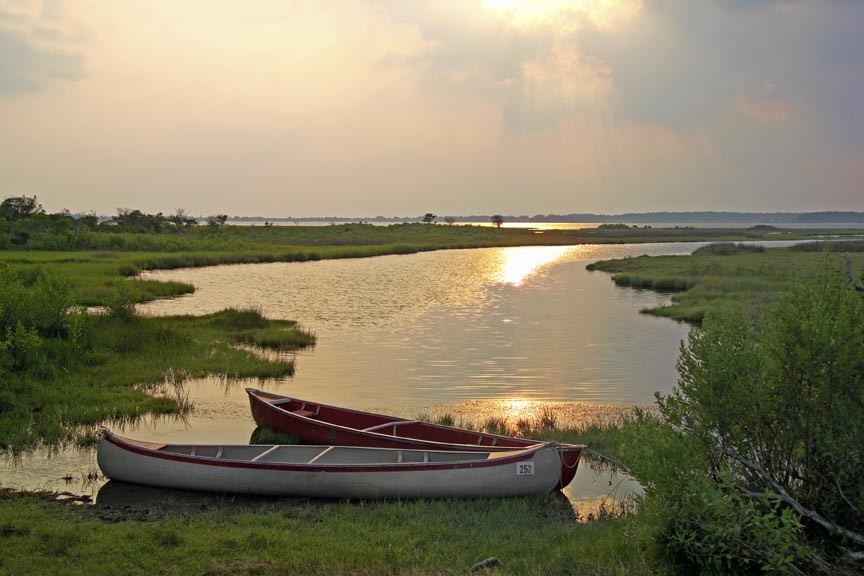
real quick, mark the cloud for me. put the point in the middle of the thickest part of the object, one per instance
(384, 106)
(34, 54)
(527, 60)
(25, 67)
(764, 110)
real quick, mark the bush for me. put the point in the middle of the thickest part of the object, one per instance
(20, 349)
(700, 520)
(37, 312)
(120, 302)
(727, 249)
(36, 299)
(767, 427)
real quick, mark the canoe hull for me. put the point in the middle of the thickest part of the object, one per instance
(499, 476)
(343, 427)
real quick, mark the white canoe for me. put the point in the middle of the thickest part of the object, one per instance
(331, 471)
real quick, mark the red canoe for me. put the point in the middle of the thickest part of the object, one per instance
(316, 423)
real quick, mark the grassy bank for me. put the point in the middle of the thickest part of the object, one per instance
(124, 367)
(266, 239)
(94, 262)
(718, 275)
(536, 535)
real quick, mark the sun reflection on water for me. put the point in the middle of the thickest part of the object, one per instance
(517, 264)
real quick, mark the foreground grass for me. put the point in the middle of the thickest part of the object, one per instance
(535, 535)
(127, 367)
(710, 279)
(95, 262)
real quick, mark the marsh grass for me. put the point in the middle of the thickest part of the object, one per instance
(603, 435)
(496, 425)
(534, 535)
(286, 338)
(265, 435)
(93, 261)
(708, 280)
(445, 419)
(174, 388)
(127, 368)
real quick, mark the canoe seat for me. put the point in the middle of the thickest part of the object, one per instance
(304, 413)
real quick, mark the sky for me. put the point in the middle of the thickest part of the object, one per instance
(399, 107)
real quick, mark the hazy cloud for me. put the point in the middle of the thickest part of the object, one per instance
(765, 110)
(32, 52)
(533, 69)
(356, 107)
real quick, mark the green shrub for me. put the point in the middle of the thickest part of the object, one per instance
(39, 326)
(120, 302)
(20, 348)
(766, 421)
(727, 249)
(701, 520)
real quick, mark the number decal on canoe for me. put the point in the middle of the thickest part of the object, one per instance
(523, 468)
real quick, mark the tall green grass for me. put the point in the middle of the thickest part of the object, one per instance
(710, 279)
(110, 374)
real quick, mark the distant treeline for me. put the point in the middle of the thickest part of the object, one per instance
(629, 217)
(24, 222)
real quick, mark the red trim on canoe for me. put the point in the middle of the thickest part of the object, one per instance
(141, 449)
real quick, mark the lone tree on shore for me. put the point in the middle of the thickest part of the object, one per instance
(429, 218)
(450, 220)
(497, 220)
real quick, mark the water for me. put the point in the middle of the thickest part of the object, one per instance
(404, 332)
(499, 331)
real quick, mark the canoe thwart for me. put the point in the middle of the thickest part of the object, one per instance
(388, 424)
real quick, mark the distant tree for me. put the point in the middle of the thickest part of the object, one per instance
(137, 221)
(16, 207)
(429, 218)
(89, 221)
(181, 218)
(217, 220)
(497, 220)
(450, 220)
(613, 227)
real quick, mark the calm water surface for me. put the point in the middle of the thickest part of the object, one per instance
(404, 332)
(499, 331)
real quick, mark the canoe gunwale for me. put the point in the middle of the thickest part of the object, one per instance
(500, 460)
